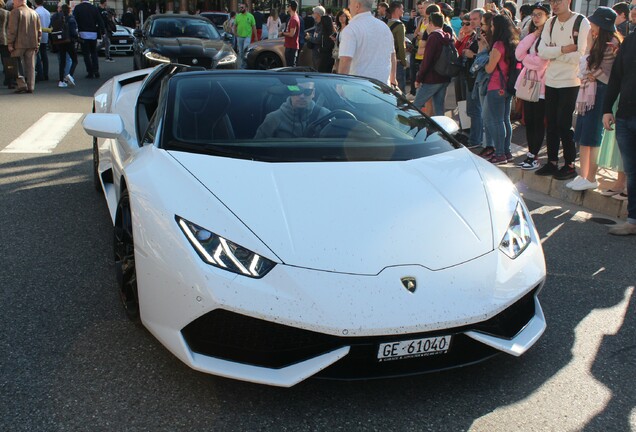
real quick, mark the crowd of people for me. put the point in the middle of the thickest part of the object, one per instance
(28, 32)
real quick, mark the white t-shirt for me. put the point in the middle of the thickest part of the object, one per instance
(369, 43)
(563, 69)
(45, 22)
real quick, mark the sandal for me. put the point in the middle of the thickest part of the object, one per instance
(610, 192)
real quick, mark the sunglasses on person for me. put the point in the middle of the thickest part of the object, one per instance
(465, 24)
(303, 91)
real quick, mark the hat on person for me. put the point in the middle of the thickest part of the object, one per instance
(543, 6)
(604, 17)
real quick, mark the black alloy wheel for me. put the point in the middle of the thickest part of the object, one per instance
(125, 258)
(96, 182)
(268, 60)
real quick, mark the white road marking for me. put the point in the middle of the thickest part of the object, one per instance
(45, 134)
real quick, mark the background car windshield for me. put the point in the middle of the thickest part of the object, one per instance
(174, 27)
(296, 117)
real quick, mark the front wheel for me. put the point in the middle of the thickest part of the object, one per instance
(125, 258)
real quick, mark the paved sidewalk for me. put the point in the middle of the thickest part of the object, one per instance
(590, 199)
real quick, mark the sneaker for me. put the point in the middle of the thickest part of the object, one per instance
(62, 84)
(621, 196)
(577, 180)
(487, 152)
(498, 160)
(110, 60)
(68, 79)
(585, 184)
(509, 157)
(96, 75)
(547, 170)
(90, 76)
(623, 229)
(530, 164)
(566, 172)
(472, 146)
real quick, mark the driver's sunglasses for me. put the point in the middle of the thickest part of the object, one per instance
(306, 92)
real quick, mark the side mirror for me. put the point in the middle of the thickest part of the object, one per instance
(227, 37)
(138, 33)
(446, 123)
(104, 125)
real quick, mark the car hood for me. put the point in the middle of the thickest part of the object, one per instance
(185, 46)
(356, 217)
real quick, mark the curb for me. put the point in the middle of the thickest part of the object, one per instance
(589, 199)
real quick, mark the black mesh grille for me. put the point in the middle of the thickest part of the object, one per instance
(244, 339)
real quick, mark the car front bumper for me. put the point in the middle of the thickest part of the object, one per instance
(295, 323)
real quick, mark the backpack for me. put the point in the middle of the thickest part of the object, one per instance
(59, 30)
(448, 64)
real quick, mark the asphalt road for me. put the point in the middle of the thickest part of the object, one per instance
(70, 360)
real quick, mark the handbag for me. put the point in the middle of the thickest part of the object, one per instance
(529, 88)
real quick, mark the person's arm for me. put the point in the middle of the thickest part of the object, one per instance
(392, 77)
(545, 50)
(613, 89)
(524, 45)
(12, 29)
(572, 53)
(344, 65)
(292, 28)
(495, 56)
(400, 43)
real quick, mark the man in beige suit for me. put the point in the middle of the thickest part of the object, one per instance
(24, 40)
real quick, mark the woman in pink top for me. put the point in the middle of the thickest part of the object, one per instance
(534, 112)
(498, 100)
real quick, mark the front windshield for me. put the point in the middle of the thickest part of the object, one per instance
(287, 116)
(175, 27)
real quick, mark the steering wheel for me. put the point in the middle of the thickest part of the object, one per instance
(337, 113)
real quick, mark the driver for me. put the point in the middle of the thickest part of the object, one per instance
(294, 115)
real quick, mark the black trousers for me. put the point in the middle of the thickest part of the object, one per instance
(89, 51)
(559, 108)
(534, 116)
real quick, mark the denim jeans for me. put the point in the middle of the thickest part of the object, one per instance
(42, 62)
(626, 140)
(497, 120)
(473, 110)
(435, 91)
(243, 43)
(487, 142)
(400, 76)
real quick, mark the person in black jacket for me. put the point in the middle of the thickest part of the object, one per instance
(90, 25)
(623, 82)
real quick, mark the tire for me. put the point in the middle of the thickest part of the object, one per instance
(268, 60)
(96, 180)
(124, 247)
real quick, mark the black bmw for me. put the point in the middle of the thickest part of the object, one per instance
(188, 40)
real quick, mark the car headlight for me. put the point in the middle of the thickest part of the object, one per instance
(518, 235)
(228, 59)
(156, 57)
(222, 253)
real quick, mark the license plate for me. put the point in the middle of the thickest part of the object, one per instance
(413, 348)
(123, 41)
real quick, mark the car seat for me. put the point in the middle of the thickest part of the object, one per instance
(201, 114)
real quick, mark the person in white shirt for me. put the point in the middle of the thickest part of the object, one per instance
(366, 45)
(273, 25)
(42, 61)
(564, 45)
